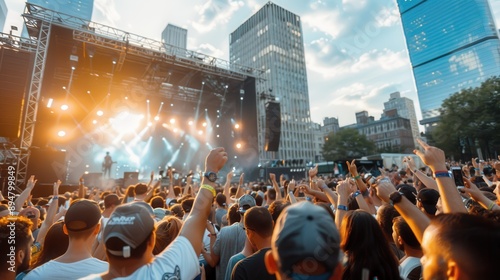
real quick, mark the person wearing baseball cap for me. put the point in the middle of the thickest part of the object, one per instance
(129, 236)
(427, 200)
(81, 224)
(305, 244)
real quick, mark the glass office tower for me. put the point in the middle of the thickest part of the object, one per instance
(452, 45)
(271, 40)
(77, 8)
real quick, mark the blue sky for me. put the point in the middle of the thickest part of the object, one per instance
(355, 49)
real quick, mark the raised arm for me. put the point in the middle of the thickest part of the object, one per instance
(51, 212)
(343, 192)
(227, 186)
(478, 196)
(415, 218)
(171, 193)
(195, 224)
(18, 203)
(276, 187)
(435, 159)
(426, 180)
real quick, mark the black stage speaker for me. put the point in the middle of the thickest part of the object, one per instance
(273, 126)
(47, 165)
(14, 70)
(130, 178)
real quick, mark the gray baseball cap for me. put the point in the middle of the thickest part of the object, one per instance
(246, 202)
(305, 231)
(131, 223)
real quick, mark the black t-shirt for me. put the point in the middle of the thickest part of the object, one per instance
(252, 267)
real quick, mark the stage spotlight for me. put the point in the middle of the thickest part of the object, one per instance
(238, 146)
(147, 101)
(61, 133)
(175, 130)
(217, 135)
(204, 124)
(49, 103)
(200, 132)
(190, 123)
(126, 97)
(217, 126)
(100, 113)
(157, 118)
(150, 124)
(64, 107)
(125, 123)
(172, 121)
(94, 121)
(237, 126)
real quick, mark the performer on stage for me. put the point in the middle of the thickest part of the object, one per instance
(106, 165)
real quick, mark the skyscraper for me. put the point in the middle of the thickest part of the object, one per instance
(3, 14)
(77, 8)
(175, 36)
(405, 108)
(451, 47)
(271, 40)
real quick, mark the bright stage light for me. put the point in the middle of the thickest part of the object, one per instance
(175, 130)
(217, 135)
(125, 123)
(236, 126)
(157, 118)
(217, 126)
(100, 113)
(172, 121)
(64, 107)
(200, 132)
(61, 133)
(238, 145)
(49, 103)
(190, 123)
(150, 124)
(94, 121)
(204, 124)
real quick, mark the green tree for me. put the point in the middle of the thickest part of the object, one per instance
(468, 117)
(347, 144)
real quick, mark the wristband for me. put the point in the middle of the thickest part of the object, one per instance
(342, 207)
(476, 169)
(210, 188)
(439, 174)
(357, 177)
(492, 204)
(356, 193)
(365, 193)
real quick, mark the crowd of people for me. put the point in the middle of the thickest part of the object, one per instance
(408, 223)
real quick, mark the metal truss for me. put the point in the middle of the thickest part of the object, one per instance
(30, 114)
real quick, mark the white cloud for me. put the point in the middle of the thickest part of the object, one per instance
(214, 13)
(388, 17)
(108, 12)
(341, 66)
(210, 50)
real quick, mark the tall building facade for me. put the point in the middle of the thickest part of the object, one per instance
(77, 8)
(451, 47)
(330, 125)
(403, 107)
(271, 40)
(3, 14)
(175, 36)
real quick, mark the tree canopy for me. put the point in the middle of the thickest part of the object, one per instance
(468, 116)
(347, 143)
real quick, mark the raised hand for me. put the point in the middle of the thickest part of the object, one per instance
(215, 160)
(352, 168)
(431, 156)
(384, 189)
(291, 185)
(313, 171)
(272, 176)
(31, 182)
(343, 189)
(242, 179)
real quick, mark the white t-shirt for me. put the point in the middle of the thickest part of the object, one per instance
(407, 266)
(177, 261)
(58, 270)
